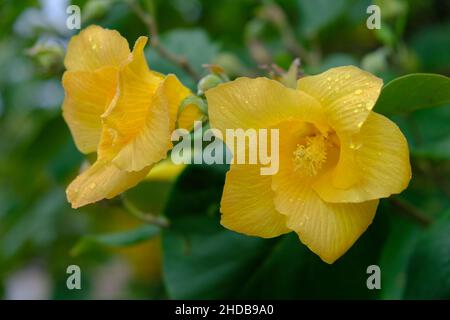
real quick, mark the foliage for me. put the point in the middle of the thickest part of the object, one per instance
(195, 257)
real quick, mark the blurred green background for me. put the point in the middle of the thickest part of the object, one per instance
(122, 256)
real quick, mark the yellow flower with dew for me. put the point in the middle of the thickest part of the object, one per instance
(116, 106)
(336, 158)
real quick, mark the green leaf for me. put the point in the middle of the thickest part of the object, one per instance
(119, 239)
(437, 150)
(203, 260)
(397, 250)
(429, 267)
(206, 261)
(191, 44)
(314, 15)
(432, 46)
(413, 92)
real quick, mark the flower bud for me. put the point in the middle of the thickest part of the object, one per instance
(207, 82)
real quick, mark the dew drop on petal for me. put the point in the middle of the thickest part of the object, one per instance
(355, 143)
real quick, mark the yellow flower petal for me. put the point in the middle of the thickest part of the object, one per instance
(94, 48)
(102, 180)
(380, 159)
(87, 96)
(152, 142)
(328, 229)
(188, 116)
(166, 171)
(173, 92)
(138, 125)
(114, 104)
(247, 203)
(258, 103)
(347, 94)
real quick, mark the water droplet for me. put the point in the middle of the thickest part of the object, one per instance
(358, 91)
(92, 185)
(355, 143)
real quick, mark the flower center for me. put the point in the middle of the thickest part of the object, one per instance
(310, 157)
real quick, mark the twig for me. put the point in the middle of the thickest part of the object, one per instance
(146, 217)
(274, 14)
(152, 27)
(409, 210)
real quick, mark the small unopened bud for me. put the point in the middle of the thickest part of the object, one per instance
(289, 78)
(231, 64)
(375, 61)
(47, 55)
(207, 82)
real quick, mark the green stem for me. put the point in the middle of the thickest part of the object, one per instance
(150, 22)
(146, 217)
(410, 211)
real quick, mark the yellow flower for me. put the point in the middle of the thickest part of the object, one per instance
(336, 158)
(115, 106)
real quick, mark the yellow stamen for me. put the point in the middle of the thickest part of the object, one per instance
(310, 157)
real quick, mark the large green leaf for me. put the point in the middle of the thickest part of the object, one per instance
(429, 267)
(203, 260)
(397, 250)
(413, 92)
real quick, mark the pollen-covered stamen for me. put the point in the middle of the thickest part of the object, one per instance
(309, 157)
